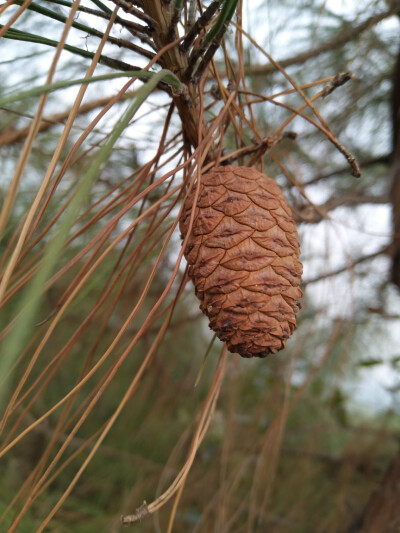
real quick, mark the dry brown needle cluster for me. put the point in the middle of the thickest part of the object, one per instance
(243, 254)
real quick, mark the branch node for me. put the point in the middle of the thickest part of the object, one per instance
(141, 512)
(340, 79)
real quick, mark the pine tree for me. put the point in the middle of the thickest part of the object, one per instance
(112, 114)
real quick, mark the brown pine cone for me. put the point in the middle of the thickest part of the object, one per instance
(243, 259)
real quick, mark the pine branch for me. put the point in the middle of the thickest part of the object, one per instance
(348, 34)
(128, 24)
(383, 159)
(122, 43)
(363, 259)
(311, 215)
(200, 24)
(18, 35)
(137, 30)
(11, 136)
(130, 10)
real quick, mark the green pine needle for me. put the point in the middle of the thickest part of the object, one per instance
(227, 11)
(168, 78)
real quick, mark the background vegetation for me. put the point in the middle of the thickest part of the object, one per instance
(112, 389)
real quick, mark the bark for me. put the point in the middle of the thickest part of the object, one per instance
(395, 174)
(174, 60)
(395, 196)
(382, 512)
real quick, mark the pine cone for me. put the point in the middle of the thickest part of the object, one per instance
(243, 259)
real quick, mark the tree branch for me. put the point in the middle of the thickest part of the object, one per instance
(383, 159)
(310, 214)
(128, 8)
(121, 43)
(348, 34)
(395, 172)
(10, 135)
(345, 268)
(382, 512)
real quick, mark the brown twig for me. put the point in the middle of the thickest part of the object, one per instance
(340, 79)
(128, 8)
(141, 512)
(259, 149)
(127, 24)
(200, 24)
(308, 102)
(176, 15)
(208, 55)
(205, 418)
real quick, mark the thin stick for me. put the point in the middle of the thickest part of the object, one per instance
(324, 126)
(204, 421)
